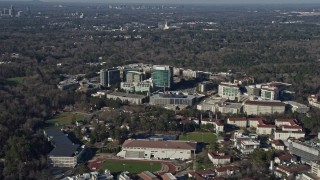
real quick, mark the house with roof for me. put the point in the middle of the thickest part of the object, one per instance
(245, 143)
(278, 145)
(219, 157)
(218, 125)
(147, 175)
(289, 129)
(239, 122)
(227, 170)
(283, 171)
(285, 158)
(153, 149)
(65, 153)
(203, 174)
(168, 176)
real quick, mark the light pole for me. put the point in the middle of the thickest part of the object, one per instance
(124, 167)
(151, 164)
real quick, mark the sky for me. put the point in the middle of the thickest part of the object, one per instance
(196, 1)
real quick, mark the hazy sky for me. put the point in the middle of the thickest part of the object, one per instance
(194, 1)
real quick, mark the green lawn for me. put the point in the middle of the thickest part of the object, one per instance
(131, 166)
(64, 118)
(199, 137)
(15, 80)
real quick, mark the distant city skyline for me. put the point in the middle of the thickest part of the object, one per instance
(192, 1)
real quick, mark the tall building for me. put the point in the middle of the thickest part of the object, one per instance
(12, 11)
(162, 76)
(135, 76)
(109, 77)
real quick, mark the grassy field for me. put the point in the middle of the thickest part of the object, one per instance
(15, 80)
(199, 137)
(64, 118)
(131, 166)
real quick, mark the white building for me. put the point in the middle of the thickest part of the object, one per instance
(314, 100)
(245, 143)
(269, 93)
(218, 125)
(127, 98)
(229, 90)
(315, 168)
(248, 146)
(219, 158)
(239, 122)
(265, 129)
(149, 149)
(297, 107)
(263, 107)
(136, 86)
(284, 135)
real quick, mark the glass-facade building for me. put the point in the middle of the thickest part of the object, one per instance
(162, 76)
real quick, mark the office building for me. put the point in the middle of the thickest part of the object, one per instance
(128, 98)
(136, 86)
(263, 107)
(135, 76)
(269, 93)
(229, 91)
(65, 153)
(172, 98)
(109, 77)
(162, 76)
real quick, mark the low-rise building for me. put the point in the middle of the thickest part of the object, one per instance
(168, 176)
(203, 174)
(297, 107)
(314, 100)
(284, 158)
(284, 122)
(266, 129)
(218, 125)
(136, 86)
(219, 157)
(65, 153)
(147, 175)
(278, 145)
(248, 146)
(285, 135)
(291, 169)
(263, 107)
(239, 122)
(254, 122)
(229, 90)
(315, 168)
(227, 170)
(307, 151)
(150, 149)
(128, 98)
(269, 93)
(229, 108)
(172, 98)
(245, 143)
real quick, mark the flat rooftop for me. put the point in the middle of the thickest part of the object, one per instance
(121, 94)
(173, 95)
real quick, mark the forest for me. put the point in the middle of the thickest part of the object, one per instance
(252, 39)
